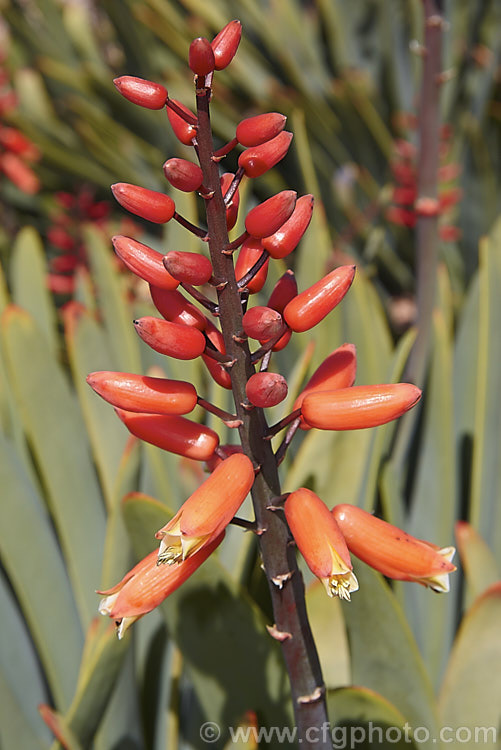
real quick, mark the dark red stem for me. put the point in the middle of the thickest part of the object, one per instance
(279, 560)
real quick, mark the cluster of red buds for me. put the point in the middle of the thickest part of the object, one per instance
(17, 152)
(65, 238)
(153, 409)
(406, 206)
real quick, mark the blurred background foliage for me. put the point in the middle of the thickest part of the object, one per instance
(346, 77)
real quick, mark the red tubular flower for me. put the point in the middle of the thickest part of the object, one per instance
(140, 393)
(183, 130)
(393, 552)
(183, 174)
(320, 542)
(253, 131)
(286, 239)
(176, 308)
(232, 207)
(266, 389)
(225, 44)
(338, 370)
(60, 238)
(449, 233)
(19, 173)
(257, 160)
(358, 407)
(262, 323)
(149, 204)
(173, 339)
(218, 372)
(144, 262)
(190, 268)
(283, 292)
(142, 92)
(405, 195)
(401, 216)
(249, 254)
(312, 305)
(146, 586)
(201, 57)
(208, 511)
(449, 198)
(268, 217)
(172, 433)
(13, 140)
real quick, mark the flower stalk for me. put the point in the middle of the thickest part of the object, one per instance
(288, 602)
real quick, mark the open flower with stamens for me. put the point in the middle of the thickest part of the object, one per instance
(320, 542)
(393, 552)
(147, 585)
(207, 511)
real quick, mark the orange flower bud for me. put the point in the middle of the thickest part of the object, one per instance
(142, 92)
(283, 292)
(286, 239)
(219, 373)
(393, 552)
(253, 131)
(358, 407)
(283, 341)
(191, 268)
(249, 254)
(257, 160)
(144, 394)
(201, 57)
(269, 216)
(146, 586)
(171, 433)
(312, 305)
(232, 207)
(183, 130)
(144, 262)
(183, 174)
(225, 44)
(176, 308)
(320, 542)
(266, 389)
(208, 511)
(149, 204)
(338, 370)
(262, 323)
(172, 339)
